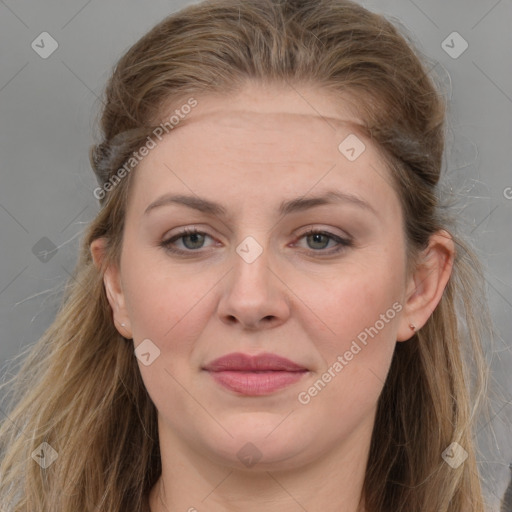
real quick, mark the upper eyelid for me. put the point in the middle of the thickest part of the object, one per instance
(190, 231)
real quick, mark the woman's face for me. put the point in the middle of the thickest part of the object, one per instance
(252, 280)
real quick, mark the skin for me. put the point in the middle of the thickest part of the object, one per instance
(249, 152)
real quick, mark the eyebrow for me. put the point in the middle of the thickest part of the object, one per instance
(285, 208)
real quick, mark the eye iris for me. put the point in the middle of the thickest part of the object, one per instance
(317, 238)
(194, 237)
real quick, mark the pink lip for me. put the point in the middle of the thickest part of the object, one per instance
(254, 375)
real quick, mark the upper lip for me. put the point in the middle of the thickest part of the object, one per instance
(238, 361)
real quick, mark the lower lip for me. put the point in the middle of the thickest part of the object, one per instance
(256, 383)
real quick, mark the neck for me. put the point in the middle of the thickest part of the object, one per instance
(194, 483)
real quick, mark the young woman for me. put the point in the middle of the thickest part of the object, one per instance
(270, 311)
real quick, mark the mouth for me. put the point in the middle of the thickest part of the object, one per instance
(258, 375)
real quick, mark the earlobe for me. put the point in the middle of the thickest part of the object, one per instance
(427, 284)
(115, 297)
(113, 289)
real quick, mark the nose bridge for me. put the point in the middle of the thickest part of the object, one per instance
(251, 268)
(252, 293)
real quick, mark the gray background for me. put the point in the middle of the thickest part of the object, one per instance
(48, 109)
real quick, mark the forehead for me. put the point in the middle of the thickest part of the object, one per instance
(277, 139)
(256, 136)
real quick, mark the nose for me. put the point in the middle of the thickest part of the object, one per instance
(254, 296)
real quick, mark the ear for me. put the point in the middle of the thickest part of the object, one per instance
(113, 288)
(426, 285)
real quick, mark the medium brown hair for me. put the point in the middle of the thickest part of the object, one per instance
(80, 388)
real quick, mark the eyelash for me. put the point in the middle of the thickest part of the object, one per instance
(343, 242)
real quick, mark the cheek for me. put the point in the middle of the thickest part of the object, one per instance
(358, 316)
(171, 311)
(347, 386)
(161, 299)
(354, 299)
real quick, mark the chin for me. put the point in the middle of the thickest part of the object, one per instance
(262, 448)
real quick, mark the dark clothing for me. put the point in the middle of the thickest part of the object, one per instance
(506, 504)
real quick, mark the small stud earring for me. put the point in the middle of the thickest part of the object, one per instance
(412, 327)
(123, 325)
